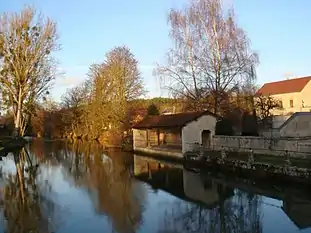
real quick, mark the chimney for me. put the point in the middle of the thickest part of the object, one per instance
(288, 75)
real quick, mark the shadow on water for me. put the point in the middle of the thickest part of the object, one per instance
(78, 187)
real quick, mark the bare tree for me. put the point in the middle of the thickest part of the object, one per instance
(76, 96)
(74, 104)
(27, 67)
(264, 106)
(211, 54)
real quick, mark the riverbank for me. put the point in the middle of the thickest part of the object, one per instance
(259, 170)
(125, 146)
(9, 144)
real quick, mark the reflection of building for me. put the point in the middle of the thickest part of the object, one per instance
(204, 190)
(210, 191)
(173, 132)
(159, 175)
(144, 166)
(298, 212)
(179, 182)
(296, 202)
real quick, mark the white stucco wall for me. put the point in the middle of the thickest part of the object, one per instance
(286, 98)
(306, 98)
(192, 132)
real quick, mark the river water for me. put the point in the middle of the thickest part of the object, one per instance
(61, 187)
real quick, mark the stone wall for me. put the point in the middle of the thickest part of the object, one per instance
(270, 133)
(298, 125)
(278, 146)
(139, 138)
(279, 120)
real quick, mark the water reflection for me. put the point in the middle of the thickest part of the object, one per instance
(25, 201)
(210, 206)
(78, 187)
(108, 182)
(211, 203)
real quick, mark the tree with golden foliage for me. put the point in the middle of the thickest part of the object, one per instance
(27, 67)
(114, 83)
(211, 54)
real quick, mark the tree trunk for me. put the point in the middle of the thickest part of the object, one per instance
(18, 118)
(19, 171)
(216, 100)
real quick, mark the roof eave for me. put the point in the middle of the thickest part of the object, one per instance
(204, 113)
(159, 127)
(271, 94)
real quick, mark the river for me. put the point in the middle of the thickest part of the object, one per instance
(61, 187)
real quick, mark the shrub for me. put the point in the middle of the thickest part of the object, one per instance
(224, 127)
(249, 124)
(152, 110)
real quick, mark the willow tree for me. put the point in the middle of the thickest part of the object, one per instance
(27, 66)
(115, 82)
(211, 54)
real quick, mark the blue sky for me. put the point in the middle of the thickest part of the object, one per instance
(279, 31)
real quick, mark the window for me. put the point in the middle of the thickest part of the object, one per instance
(281, 104)
(291, 103)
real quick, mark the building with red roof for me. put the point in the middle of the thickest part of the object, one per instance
(293, 94)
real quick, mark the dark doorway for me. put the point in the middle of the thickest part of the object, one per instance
(206, 138)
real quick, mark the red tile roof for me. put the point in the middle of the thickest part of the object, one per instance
(285, 86)
(170, 121)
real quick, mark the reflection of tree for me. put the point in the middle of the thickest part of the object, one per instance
(241, 213)
(26, 204)
(109, 183)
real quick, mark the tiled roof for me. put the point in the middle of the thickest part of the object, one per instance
(170, 121)
(283, 87)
